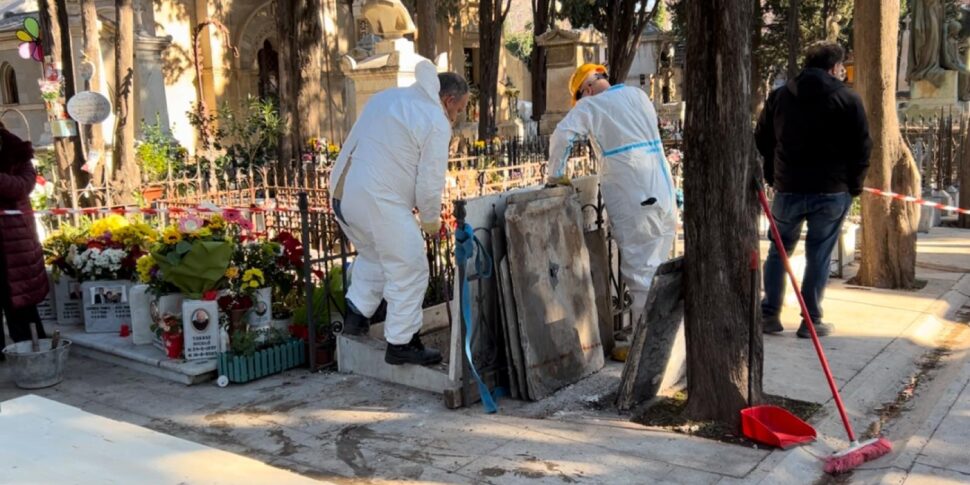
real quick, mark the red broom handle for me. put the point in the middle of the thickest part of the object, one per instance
(808, 318)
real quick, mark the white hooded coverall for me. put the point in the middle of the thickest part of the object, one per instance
(634, 178)
(394, 159)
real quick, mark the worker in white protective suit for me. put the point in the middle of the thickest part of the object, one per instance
(393, 161)
(635, 180)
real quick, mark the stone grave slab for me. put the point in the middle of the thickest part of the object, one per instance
(599, 269)
(67, 301)
(654, 341)
(498, 257)
(517, 362)
(106, 305)
(553, 289)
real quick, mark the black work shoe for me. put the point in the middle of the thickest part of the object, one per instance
(771, 325)
(412, 352)
(355, 323)
(821, 329)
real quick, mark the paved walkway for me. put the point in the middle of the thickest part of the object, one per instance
(350, 429)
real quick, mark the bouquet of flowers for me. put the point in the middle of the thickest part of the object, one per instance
(61, 249)
(194, 255)
(112, 248)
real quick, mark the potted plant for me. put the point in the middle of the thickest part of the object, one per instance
(285, 279)
(328, 297)
(253, 354)
(160, 156)
(169, 330)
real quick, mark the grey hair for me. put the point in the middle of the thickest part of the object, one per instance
(452, 84)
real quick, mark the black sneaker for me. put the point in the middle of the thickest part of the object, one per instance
(412, 352)
(355, 323)
(821, 329)
(771, 324)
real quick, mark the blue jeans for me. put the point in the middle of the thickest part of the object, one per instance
(824, 213)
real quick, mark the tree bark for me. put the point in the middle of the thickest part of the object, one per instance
(758, 94)
(491, 17)
(427, 25)
(92, 51)
(721, 212)
(125, 173)
(285, 21)
(794, 38)
(626, 20)
(308, 66)
(888, 226)
(67, 150)
(543, 19)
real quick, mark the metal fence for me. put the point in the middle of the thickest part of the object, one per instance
(937, 144)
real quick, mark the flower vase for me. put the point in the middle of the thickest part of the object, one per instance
(173, 345)
(158, 307)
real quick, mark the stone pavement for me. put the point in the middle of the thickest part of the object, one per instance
(351, 429)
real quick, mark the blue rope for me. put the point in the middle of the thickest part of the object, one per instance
(465, 245)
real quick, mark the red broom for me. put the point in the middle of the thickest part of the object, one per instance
(857, 453)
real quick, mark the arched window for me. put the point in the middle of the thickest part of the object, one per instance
(8, 85)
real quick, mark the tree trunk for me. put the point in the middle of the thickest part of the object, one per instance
(308, 66)
(126, 176)
(542, 20)
(626, 21)
(888, 227)
(794, 38)
(491, 16)
(427, 25)
(67, 150)
(92, 51)
(721, 212)
(285, 21)
(964, 177)
(758, 90)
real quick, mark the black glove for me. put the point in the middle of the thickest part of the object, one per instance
(855, 192)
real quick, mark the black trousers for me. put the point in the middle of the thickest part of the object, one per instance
(18, 319)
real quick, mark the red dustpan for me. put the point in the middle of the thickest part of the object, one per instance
(772, 425)
(769, 425)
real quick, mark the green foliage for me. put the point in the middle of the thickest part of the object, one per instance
(326, 296)
(661, 19)
(520, 44)
(254, 135)
(245, 343)
(585, 13)
(159, 152)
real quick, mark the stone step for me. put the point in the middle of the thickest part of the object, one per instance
(110, 348)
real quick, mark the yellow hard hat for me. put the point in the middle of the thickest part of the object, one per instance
(580, 75)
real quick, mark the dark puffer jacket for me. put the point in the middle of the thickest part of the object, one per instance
(25, 277)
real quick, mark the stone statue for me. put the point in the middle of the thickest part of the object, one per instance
(952, 42)
(388, 18)
(926, 44)
(832, 27)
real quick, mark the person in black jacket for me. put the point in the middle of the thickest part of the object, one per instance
(814, 137)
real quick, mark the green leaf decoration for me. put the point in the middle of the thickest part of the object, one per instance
(32, 27)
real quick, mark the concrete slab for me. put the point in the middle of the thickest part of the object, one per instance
(57, 443)
(948, 447)
(927, 475)
(109, 347)
(365, 356)
(553, 289)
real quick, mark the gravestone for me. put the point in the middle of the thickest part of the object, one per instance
(599, 269)
(105, 305)
(654, 354)
(67, 301)
(553, 289)
(141, 317)
(200, 326)
(565, 51)
(47, 309)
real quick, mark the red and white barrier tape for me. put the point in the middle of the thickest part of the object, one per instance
(917, 200)
(148, 211)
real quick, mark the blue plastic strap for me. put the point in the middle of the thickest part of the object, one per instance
(465, 244)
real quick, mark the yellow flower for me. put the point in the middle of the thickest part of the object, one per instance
(253, 278)
(480, 144)
(112, 223)
(145, 265)
(171, 235)
(232, 272)
(204, 232)
(333, 148)
(217, 223)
